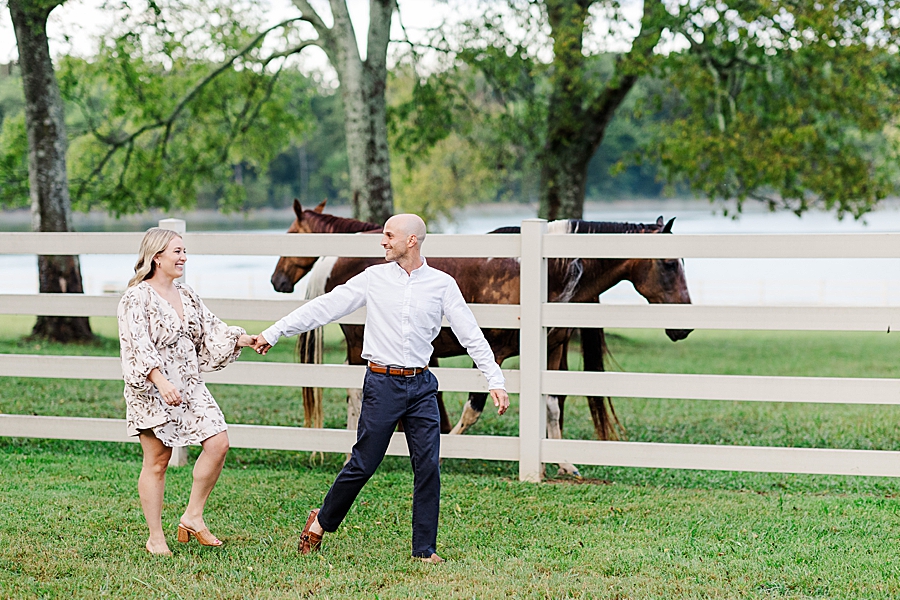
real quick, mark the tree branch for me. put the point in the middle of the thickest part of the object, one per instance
(629, 68)
(310, 15)
(300, 47)
(173, 115)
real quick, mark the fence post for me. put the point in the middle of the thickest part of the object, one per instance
(532, 349)
(179, 453)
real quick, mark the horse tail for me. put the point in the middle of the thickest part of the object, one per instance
(606, 423)
(310, 345)
(310, 351)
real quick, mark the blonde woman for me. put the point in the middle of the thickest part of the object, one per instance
(167, 338)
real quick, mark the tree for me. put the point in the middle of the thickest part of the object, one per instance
(363, 84)
(739, 69)
(153, 42)
(162, 123)
(49, 188)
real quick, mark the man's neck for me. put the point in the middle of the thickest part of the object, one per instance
(410, 263)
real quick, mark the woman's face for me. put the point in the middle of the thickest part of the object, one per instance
(170, 262)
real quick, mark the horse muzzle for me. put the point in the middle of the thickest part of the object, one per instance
(678, 334)
(282, 283)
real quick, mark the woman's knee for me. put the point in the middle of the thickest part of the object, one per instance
(218, 445)
(158, 462)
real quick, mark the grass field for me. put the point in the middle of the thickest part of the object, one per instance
(70, 521)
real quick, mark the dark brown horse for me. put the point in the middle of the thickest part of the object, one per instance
(496, 281)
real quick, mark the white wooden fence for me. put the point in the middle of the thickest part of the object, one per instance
(532, 381)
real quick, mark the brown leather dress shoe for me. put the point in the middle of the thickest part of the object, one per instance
(309, 541)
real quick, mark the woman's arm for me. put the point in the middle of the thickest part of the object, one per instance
(167, 389)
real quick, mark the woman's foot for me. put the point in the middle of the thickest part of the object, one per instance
(196, 527)
(158, 548)
(193, 523)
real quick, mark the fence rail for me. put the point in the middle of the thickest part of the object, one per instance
(534, 246)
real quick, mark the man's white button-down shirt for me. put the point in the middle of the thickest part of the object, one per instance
(403, 316)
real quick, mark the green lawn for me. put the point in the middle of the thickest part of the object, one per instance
(70, 521)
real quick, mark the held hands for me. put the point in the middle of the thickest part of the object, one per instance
(261, 345)
(246, 340)
(501, 400)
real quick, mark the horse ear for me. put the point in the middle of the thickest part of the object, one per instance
(659, 221)
(668, 227)
(298, 210)
(320, 207)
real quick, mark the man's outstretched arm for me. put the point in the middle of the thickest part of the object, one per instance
(340, 301)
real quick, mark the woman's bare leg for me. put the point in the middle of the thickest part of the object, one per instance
(151, 487)
(206, 472)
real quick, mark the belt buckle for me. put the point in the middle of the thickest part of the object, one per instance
(412, 373)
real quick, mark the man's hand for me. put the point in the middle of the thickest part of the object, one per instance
(501, 400)
(261, 345)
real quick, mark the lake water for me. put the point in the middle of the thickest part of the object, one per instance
(840, 282)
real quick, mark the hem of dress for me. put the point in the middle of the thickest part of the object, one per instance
(191, 442)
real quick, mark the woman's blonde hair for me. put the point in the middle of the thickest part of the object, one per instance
(155, 241)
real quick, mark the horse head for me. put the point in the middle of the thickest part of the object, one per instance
(290, 269)
(662, 280)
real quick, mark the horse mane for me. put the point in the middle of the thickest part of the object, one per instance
(332, 224)
(582, 226)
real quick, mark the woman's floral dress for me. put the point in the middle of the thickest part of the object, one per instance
(152, 336)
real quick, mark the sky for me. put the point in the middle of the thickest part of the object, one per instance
(74, 27)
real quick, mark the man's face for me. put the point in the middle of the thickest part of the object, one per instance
(395, 241)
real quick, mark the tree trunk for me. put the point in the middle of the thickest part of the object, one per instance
(566, 152)
(575, 124)
(45, 123)
(363, 84)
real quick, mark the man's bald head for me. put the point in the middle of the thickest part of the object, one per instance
(409, 224)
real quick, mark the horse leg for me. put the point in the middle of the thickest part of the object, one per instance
(556, 361)
(445, 418)
(606, 423)
(471, 412)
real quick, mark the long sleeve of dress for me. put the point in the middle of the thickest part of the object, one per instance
(139, 354)
(217, 347)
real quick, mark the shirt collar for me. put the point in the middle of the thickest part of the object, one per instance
(417, 272)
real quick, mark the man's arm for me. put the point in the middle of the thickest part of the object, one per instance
(466, 330)
(340, 301)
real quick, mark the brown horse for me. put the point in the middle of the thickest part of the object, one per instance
(496, 281)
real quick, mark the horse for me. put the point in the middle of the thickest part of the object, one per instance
(569, 280)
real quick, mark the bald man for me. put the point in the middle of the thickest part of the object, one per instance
(405, 301)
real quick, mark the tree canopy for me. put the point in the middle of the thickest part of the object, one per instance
(193, 102)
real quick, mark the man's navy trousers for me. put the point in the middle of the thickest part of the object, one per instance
(386, 400)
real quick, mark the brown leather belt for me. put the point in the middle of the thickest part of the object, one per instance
(398, 371)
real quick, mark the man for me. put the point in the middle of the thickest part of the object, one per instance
(405, 301)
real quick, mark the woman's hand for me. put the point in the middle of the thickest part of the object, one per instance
(246, 340)
(167, 389)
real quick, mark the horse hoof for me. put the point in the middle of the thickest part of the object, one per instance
(574, 473)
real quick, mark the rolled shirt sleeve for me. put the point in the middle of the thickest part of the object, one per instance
(340, 301)
(467, 331)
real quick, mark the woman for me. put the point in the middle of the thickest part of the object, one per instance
(167, 338)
